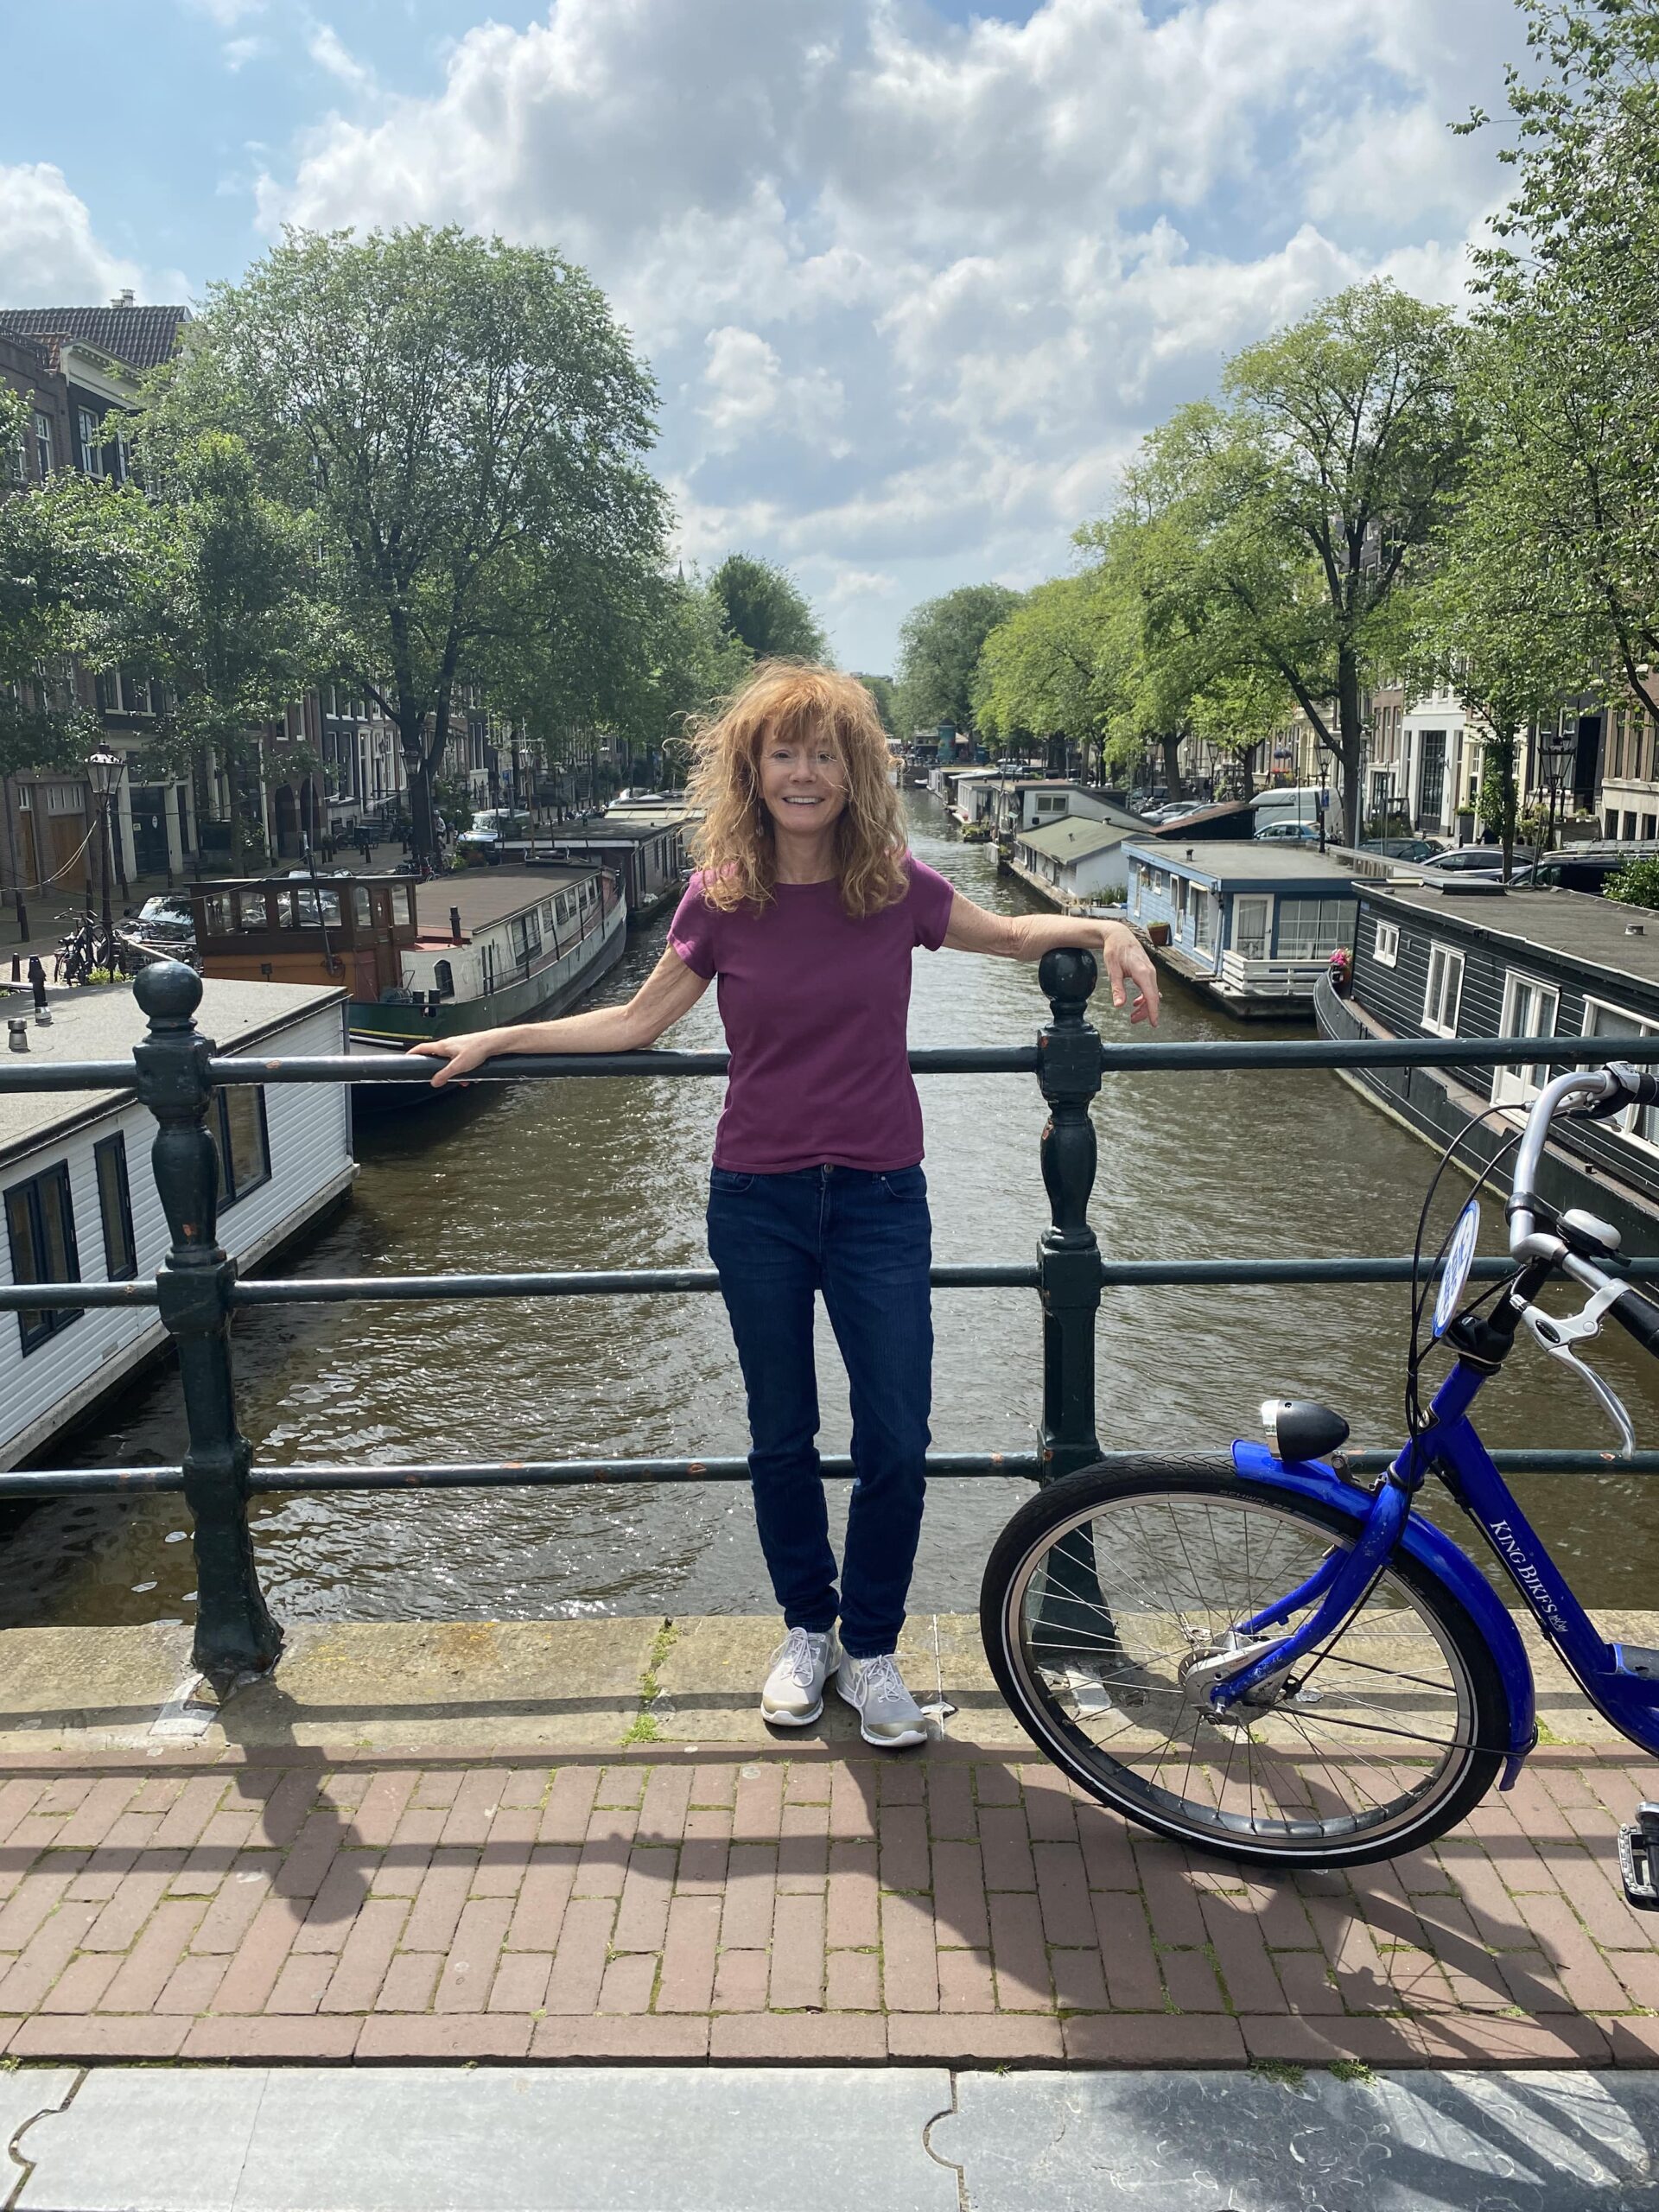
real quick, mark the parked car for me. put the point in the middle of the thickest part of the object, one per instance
(492, 829)
(1402, 849)
(1468, 860)
(1175, 810)
(1287, 833)
(1581, 868)
(168, 906)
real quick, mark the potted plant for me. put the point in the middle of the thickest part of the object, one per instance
(1342, 971)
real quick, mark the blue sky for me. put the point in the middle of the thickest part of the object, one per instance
(914, 277)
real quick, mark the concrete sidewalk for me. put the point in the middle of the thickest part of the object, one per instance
(912, 2139)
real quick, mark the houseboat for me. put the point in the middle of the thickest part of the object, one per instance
(80, 1199)
(1466, 960)
(1017, 804)
(418, 960)
(645, 847)
(1075, 864)
(1253, 923)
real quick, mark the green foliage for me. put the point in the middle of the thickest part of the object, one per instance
(939, 652)
(1048, 667)
(882, 689)
(467, 423)
(1636, 885)
(764, 608)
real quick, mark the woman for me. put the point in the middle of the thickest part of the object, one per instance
(808, 908)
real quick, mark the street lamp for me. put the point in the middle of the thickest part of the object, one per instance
(103, 774)
(1557, 756)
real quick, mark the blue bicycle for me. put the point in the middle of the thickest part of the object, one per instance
(1269, 1661)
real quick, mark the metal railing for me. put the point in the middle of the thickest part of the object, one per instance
(176, 1071)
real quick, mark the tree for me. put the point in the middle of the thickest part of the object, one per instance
(467, 422)
(764, 608)
(939, 645)
(1293, 512)
(1049, 669)
(880, 688)
(1570, 292)
(60, 557)
(219, 599)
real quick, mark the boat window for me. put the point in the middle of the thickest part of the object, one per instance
(443, 976)
(404, 897)
(241, 1138)
(564, 904)
(217, 909)
(251, 912)
(527, 931)
(1639, 1123)
(1252, 923)
(360, 906)
(114, 1205)
(1444, 994)
(282, 905)
(550, 913)
(1309, 928)
(41, 1229)
(1204, 920)
(1530, 1010)
(1385, 949)
(317, 909)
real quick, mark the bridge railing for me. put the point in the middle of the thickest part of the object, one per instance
(197, 1289)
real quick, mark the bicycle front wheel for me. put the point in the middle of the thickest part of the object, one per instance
(1108, 1590)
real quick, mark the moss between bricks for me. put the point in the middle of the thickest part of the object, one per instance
(643, 1728)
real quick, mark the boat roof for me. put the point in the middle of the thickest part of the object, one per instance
(1570, 924)
(1248, 860)
(104, 1022)
(486, 895)
(1073, 836)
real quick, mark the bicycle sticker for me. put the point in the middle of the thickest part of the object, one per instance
(1459, 1254)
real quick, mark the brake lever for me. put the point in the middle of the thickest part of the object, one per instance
(1557, 1335)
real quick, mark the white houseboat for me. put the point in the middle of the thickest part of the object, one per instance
(1073, 863)
(1252, 923)
(80, 1200)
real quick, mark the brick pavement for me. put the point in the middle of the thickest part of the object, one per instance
(965, 1907)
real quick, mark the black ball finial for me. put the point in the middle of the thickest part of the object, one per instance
(1067, 978)
(170, 990)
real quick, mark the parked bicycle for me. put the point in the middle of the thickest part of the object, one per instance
(1278, 1666)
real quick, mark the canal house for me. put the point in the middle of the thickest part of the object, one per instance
(1475, 960)
(1072, 862)
(1253, 923)
(80, 1199)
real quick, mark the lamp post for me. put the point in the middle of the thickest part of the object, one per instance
(1557, 752)
(103, 774)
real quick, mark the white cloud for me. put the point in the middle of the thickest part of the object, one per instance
(911, 289)
(49, 254)
(329, 51)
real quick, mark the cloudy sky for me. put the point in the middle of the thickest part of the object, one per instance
(913, 276)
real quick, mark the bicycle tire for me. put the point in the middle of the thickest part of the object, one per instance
(1117, 1499)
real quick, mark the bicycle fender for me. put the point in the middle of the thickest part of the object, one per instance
(1443, 1559)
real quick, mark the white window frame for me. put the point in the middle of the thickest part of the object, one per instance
(1260, 939)
(91, 442)
(1385, 948)
(1630, 1123)
(1518, 1086)
(1332, 921)
(1443, 962)
(44, 457)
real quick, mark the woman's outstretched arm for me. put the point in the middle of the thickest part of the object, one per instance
(672, 989)
(1028, 937)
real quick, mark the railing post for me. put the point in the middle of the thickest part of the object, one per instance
(235, 1633)
(1068, 1258)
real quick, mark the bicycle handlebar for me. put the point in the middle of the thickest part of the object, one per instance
(1605, 1091)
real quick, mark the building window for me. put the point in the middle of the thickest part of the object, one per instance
(115, 1206)
(241, 1138)
(91, 442)
(41, 1229)
(1530, 1010)
(1386, 949)
(1445, 993)
(42, 445)
(443, 975)
(1252, 921)
(1629, 825)
(1309, 928)
(1639, 1123)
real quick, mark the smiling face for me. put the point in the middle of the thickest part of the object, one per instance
(803, 781)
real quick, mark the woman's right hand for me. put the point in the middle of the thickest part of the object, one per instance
(458, 1054)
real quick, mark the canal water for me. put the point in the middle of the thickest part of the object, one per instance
(579, 1173)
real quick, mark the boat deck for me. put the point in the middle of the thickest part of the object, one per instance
(482, 896)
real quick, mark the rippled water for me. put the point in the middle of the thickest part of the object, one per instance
(584, 1174)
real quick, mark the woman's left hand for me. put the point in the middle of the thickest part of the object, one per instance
(1128, 967)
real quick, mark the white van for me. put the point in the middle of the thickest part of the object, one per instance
(1300, 802)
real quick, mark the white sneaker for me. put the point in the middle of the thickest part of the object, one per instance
(792, 1694)
(888, 1716)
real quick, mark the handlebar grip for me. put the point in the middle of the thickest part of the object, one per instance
(1639, 1317)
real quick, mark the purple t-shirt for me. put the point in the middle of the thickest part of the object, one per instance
(815, 1006)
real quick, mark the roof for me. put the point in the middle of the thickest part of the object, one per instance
(613, 830)
(1233, 861)
(1073, 837)
(141, 337)
(104, 1022)
(486, 895)
(1569, 924)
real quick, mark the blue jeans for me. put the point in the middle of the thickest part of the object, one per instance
(865, 1240)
